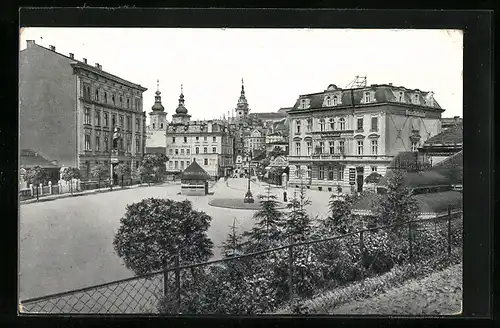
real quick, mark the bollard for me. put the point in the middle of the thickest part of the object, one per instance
(50, 187)
(31, 189)
(41, 189)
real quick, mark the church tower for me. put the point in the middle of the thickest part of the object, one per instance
(242, 108)
(181, 115)
(155, 141)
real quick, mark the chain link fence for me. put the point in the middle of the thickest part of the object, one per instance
(264, 281)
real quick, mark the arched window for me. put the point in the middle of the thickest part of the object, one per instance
(367, 97)
(342, 123)
(322, 125)
(97, 95)
(328, 101)
(332, 124)
(161, 125)
(401, 96)
(335, 101)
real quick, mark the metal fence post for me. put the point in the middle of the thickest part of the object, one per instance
(178, 282)
(290, 268)
(361, 249)
(449, 230)
(410, 242)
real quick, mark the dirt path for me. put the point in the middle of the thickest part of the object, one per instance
(440, 293)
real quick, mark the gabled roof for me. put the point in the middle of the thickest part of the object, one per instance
(383, 94)
(452, 136)
(30, 158)
(194, 172)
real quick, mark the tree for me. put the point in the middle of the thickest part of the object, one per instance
(298, 223)
(397, 205)
(267, 231)
(142, 173)
(122, 170)
(339, 219)
(374, 178)
(153, 231)
(69, 174)
(232, 246)
(155, 164)
(98, 172)
(35, 175)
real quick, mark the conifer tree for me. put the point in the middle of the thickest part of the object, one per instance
(298, 223)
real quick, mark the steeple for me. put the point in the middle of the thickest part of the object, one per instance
(157, 105)
(181, 109)
(242, 108)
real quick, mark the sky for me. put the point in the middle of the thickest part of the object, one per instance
(277, 65)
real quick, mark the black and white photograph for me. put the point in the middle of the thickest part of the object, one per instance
(240, 171)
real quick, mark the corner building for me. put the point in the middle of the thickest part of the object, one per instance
(78, 114)
(338, 137)
(208, 142)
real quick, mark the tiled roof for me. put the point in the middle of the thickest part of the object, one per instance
(452, 136)
(30, 158)
(452, 167)
(194, 172)
(431, 203)
(383, 94)
(284, 109)
(418, 179)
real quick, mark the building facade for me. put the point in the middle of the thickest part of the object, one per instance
(209, 142)
(338, 137)
(78, 114)
(157, 127)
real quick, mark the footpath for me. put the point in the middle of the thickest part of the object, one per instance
(91, 192)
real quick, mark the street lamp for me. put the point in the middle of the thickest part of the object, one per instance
(248, 196)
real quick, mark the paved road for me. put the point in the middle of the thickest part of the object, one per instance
(67, 243)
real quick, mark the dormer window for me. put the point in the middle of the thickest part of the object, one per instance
(367, 97)
(401, 96)
(335, 101)
(303, 103)
(416, 99)
(328, 101)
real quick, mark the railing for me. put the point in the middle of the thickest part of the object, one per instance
(297, 270)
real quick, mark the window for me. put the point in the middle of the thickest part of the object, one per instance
(86, 92)
(173, 139)
(414, 146)
(129, 123)
(297, 148)
(214, 139)
(205, 138)
(185, 139)
(401, 97)
(374, 126)
(182, 151)
(322, 147)
(332, 147)
(309, 148)
(374, 147)
(214, 150)
(360, 123)
(332, 124)
(106, 119)
(335, 101)
(188, 151)
(106, 97)
(322, 173)
(128, 103)
(170, 164)
(113, 120)
(416, 99)
(113, 99)
(309, 125)
(87, 116)
(297, 171)
(330, 173)
(322, 125)
(129, 145)
(176, 164)
(340, 174)
(137, 146)
(121, 100)
(106, 142)
(87, 142)
(342, 124)
(328, 101)
(205, 150)
(171, 151)
(308, 171)
(360, 147)
(97, 143)
(297, 127)
(367, 97)
(374, 169)
(303, 103)
(205, 161)
(137, 104)
(137, 125)
(182, 165)
(197, 150)
(96, 95)
(177, 151)
(121, 121)
(197, 139)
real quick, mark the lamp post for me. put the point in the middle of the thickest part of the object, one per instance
(248, 196)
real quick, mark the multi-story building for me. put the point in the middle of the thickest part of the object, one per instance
(339, 136)
(210, 142)
(254, 140)
(277, 136)
(450, 122)
(157, 127)
(78, 114)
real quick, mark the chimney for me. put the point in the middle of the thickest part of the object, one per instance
(72, 56)
(85, 60)
(390, 84)
(30, 43)
(97, 65)
(52, 48)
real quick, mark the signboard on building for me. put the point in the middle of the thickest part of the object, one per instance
(415, 113)
(352, 176)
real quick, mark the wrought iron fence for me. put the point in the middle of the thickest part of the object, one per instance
(296, 270)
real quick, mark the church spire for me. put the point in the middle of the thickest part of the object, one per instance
(181, 109)
(157, 105)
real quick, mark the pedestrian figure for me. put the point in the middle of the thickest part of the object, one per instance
(284, 196)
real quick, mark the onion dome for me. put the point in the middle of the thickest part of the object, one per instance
(181, 110)
(157, 105)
